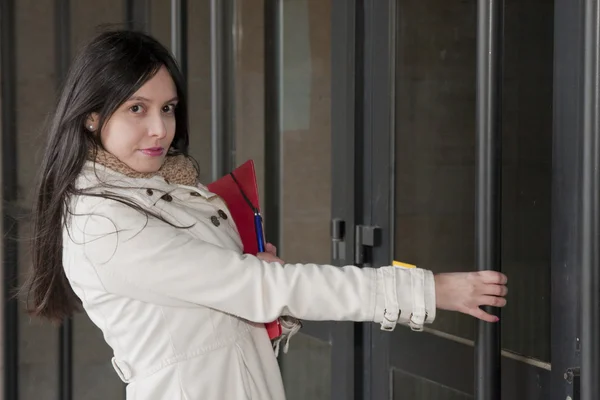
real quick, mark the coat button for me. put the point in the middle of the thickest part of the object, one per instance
(195, 194)
(149, 192)
(167, 197)
(215, 220)
(222, 214)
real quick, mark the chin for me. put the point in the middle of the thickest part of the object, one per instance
(148, 167)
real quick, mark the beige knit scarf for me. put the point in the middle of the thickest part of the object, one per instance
(175, 169)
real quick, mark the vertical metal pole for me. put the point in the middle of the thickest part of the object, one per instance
(9, 196)
(222, 87)
(62, 24)
(344, 60)
(590, 221)
(179, 33)
(273, 98)
(489, 166)
(216, 46)
(137, 14)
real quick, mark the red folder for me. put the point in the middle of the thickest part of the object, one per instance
(232, 192)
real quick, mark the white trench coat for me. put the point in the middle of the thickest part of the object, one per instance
(183, 309)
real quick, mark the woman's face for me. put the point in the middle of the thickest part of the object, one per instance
(141, 130)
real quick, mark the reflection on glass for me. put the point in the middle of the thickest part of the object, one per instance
(527, 169)
(409, 387)
(435, 157)
(305, 208)
(306, 130)
(306, 369)
(435, 142)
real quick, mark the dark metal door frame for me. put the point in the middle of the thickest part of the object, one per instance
(566, 195)
(375, 127)
(10, 323)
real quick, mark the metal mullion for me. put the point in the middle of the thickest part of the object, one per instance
(566, 194)
(9, 196)
(488, 195)
(273, 98)
(137, 14)
(62, 25)
(179, 42)
(222, 87)
(590, 218)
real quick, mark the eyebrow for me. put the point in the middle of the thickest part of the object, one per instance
(141, 98)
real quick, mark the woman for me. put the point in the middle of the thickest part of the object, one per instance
(123, 228)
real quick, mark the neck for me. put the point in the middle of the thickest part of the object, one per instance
(175, 169)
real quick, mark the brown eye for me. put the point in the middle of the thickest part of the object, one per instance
(169, 109)
(135, 109)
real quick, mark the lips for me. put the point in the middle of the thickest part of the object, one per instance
(153, 151)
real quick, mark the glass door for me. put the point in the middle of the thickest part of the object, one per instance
(301, 159)
(419, 188)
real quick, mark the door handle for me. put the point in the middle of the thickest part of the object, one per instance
(338, 239)
(572, 376)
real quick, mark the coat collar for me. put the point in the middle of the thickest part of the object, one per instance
(98, 177)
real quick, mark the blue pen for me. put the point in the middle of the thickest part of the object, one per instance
(258, 226)
(258, 223)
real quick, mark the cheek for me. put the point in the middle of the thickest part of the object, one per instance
(171, 126)
(120, 135)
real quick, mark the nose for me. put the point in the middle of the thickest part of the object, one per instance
(157, 127)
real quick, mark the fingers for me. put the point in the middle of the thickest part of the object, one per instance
(482, 315)
(268, 257)
(492, 301)
(495, 290)
(493, 277)
(269, 248)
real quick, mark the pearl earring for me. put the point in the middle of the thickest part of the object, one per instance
(91, 127)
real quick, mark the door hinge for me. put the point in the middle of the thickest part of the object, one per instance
(338, 239)
(366, 238)
(572, 376)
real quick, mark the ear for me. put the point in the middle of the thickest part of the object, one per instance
(91, 122)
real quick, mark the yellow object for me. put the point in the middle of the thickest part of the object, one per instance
(403, 265)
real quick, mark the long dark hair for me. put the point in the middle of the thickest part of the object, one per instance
(106, 72)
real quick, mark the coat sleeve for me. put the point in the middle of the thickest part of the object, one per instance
(149, 260)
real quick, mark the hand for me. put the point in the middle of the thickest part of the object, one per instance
(270, 254)
(466, 291)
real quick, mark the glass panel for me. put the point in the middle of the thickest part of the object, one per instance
(305, 208)
(306, 137)
(409, 387)
(306, 369)
(527, 172)
(435, 141)
(199, 85)
(435, 157)
(35, 91)
(249, 87)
